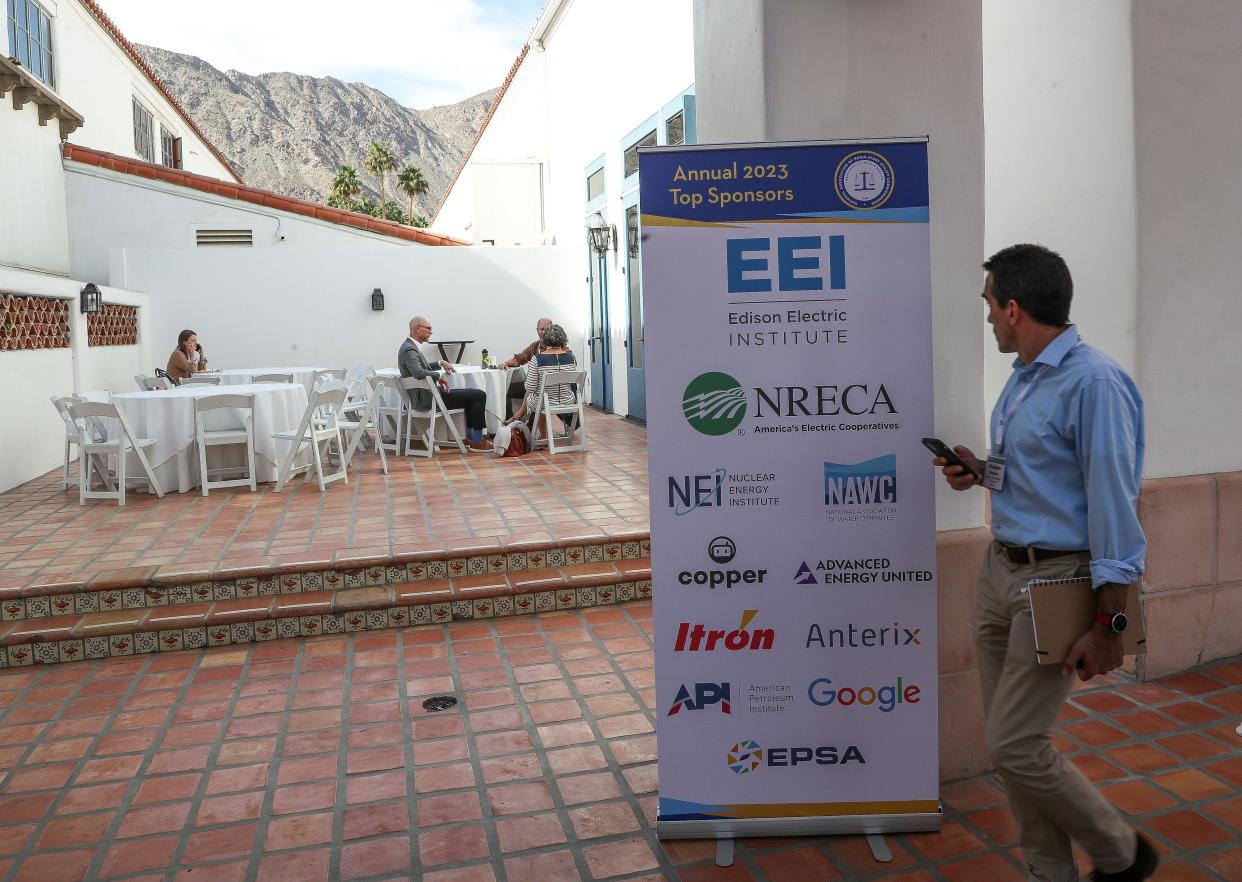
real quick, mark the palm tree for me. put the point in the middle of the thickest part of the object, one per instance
(379, 162)
(412, 183)
(345, 185)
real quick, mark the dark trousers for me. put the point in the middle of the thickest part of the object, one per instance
(472, 401)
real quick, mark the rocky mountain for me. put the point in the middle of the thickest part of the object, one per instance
(289, 133)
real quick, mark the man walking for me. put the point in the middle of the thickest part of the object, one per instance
(1064, 472)
(412, 363)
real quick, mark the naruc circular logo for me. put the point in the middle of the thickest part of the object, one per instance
(714, 403)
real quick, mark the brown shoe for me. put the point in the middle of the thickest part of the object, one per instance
(478, 446)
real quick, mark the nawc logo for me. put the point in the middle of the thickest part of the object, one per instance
(704, 694)
(873, 482)
(697, 638)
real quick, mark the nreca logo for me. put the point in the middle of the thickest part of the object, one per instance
(698, 638)
(747, 756)
(872, 482)
(704, 694)
(714, 403)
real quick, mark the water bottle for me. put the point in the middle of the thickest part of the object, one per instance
(486, 361)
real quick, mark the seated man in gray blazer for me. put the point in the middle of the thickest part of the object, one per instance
(412, 363)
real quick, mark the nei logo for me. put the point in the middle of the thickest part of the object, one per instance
(804, 576)
(873, 482)
(714, 403)
(697, 638)
(704, 695)
(746, 756)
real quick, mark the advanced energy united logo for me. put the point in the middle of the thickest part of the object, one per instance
(861, 491)
(714, 403)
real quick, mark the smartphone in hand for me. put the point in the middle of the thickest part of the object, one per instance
(939, 448)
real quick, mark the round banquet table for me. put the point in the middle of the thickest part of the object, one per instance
(167, 417)
(494, 382)
(236, 376)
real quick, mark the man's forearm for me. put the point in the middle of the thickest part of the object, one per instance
(1111, 598)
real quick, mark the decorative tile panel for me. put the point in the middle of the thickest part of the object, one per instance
(113, 325)
(33, 323)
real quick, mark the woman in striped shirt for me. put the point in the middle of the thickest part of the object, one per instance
(555, 356)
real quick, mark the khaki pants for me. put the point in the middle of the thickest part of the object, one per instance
(1051, 800)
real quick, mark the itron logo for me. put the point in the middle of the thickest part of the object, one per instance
(745, 756)
(804, 576)
(872, 482)
(698, 638)
(714, 403)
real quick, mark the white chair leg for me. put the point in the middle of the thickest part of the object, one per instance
(203, 478)
(250, 453)
(64, 482)
(318, 465)
(120, 476)
(84, 475)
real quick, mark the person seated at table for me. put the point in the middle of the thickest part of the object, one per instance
(517, 388)
(188, 358)
(413, 363)
(554, 357)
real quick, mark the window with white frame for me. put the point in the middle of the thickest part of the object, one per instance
(595, 185)
(170, 148)
(30, 38)
(144, 132)
(675, 129)
(631, 152)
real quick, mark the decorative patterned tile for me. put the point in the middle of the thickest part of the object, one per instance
(566, 598)
(399, 616)
(224, 590)
(242, 632)
(536, 560)
(248, 587)
(644, 548)
(13, 610)
(477, 565)
(515, 560)
(268, 586)
(502, 606)
(37, 607)
(171, 640)
(612, 551)
(309, 626)
(265, 631)
(545, 600)
(195, 638)
(377, 619)
(288, 627)
(121, 644)
(355, 621)
(574, 555)
(523, 604)
(60, 604)
(585, 597)
(355, 578)
(594, 553)
(4, 659)
(70, 650)
(145, 641)
(179, 594)
(155, 596)
(643, 589)
(441, 612)
(109, 600)
(289, 583)
(219, 635)
(415, 572)
(458, 566)
(630, 551)
(482, 608)
(45, 653)
(377, 576)
(311, 581)
(625, 592)
(604, 594)
(496, 563)
(201, 592)
(395, 574)
(20, 656)
(462, 609)
(556, 557)
(332, 579)
(437, 569)
(333, 624)
(96, 647)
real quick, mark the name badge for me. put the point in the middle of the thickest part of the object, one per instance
(994, 473)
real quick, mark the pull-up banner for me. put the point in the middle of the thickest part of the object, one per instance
(789, 380)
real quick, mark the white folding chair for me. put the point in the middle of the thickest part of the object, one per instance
(272, 378)
(119, 441)
(389, 411)
(359, 397)
(328, 377)
(320, 428)
(205, 438)
(359, 423)
(72, 437)
(549, 385)
(202, 379)
(437, 409)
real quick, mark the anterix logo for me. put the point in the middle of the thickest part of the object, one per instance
(804, 576)
(746, 756)
(704, 694)
(697, 638)
(714, 403)
(872, 482)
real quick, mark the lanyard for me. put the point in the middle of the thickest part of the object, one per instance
(1017, 402)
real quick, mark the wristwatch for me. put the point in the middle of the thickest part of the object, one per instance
(1115, 622)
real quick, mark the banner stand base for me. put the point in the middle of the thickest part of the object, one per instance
(879, 848)
(836, 825)
(724, 852)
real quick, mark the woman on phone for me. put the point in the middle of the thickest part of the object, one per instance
(188, 358)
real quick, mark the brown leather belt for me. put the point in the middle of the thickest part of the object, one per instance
(1031, 556)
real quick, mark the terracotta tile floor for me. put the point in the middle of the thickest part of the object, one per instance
(314, 760)
(44, 531)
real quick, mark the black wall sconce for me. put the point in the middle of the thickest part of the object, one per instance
(92, 299)
(377, 300)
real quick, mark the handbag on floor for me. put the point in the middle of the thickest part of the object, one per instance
(512, 439)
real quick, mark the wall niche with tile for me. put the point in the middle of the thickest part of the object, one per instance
(33, 323)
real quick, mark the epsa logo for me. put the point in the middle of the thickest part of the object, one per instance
(873, 482)
(697, 638)
(747, 756)
(704, 694)
(721, 550)
(885, 699)
(689, 492)
(714, 403)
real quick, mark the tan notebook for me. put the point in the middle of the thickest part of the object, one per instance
(1062, 610)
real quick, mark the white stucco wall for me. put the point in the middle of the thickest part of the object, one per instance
(99, 80)
(312, 307)
(565, 109)
(33, 443)
(109, 210)
(1059, 120)
(1187, 67)
(835, 69)
(508, 206)
(33, 234)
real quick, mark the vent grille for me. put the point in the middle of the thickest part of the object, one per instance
(223, 237)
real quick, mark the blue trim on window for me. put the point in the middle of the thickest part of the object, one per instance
(596, 204)
(684, 104)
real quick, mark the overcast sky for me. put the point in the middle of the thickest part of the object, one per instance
(420, 52)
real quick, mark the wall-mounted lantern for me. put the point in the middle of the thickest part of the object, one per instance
(92, 299)
(377, 300)
(600, 235)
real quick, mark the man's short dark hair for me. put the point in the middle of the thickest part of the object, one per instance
(1037, 278)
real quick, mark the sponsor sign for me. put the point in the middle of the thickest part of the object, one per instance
(788, 312)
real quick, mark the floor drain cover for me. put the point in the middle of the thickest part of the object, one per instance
(439, 703)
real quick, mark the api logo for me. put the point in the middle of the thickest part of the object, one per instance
(873, 482)
(689, 492)
(804, 576)
(697, 638)
(714, 403)
(704, 695)
(744, 757)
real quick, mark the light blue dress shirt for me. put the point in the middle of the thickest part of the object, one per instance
(1074, 459)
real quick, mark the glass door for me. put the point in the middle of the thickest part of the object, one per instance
(601, 361)
(634, 334)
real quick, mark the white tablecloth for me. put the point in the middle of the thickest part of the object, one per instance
(167, 417)
(494, 382)
(235, 376)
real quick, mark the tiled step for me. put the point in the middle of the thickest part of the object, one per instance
(168, 626)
